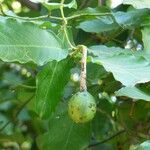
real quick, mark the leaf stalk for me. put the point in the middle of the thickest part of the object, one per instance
(83, 86)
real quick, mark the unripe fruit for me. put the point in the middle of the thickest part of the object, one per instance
(82, 107)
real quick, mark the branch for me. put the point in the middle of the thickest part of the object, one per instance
(87, 14)
(83, 86)
(108, 139)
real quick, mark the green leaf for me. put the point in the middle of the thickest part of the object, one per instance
(102, 24)
(132, 18)
(25, 41)
(64, 134)
(146, 21)
(134, 92)
(89, 12)
(97, 73)
(103, 20)
(99, 20)
(127, 67)
(72, 4)
(62, 36)
(144, 146)
(50, 85)
(139, 4)
(146, 38)
(52, 6)
(4, 120)
(101, 130)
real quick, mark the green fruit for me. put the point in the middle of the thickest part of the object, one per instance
(82, 107)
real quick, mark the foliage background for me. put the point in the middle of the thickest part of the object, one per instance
(118, 75)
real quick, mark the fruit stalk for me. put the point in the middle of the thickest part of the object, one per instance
(83, 86)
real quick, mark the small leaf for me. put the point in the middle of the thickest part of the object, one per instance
(64, 134)
(50, 85)
(25, 41)
(134, 92)
(72, 4)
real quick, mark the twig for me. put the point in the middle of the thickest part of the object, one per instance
(65, 22)
(32, 19)
(108, 139)
(23, 105)
(86, 14)
(16, 114)
(132, 108)
(83, 86)
(28, 18)
(84, 2)
(23, 86)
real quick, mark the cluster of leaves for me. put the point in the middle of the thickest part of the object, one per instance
(40, 68)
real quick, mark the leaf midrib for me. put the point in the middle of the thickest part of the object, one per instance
(28, 46)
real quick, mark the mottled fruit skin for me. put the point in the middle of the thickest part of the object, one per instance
(82, 107)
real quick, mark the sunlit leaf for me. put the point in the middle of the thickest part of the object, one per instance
(64, 134)
(146, 38)
(127, 67)
(134, 92)
(50, 85)
(25, 42)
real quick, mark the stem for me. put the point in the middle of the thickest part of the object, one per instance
(108, 139)
(35, 18)
(83, 86)
(24, 86)
(62, 12)
(130, 36)
(28, 18)
(86, 14)
(65, 23)
(132, 108)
